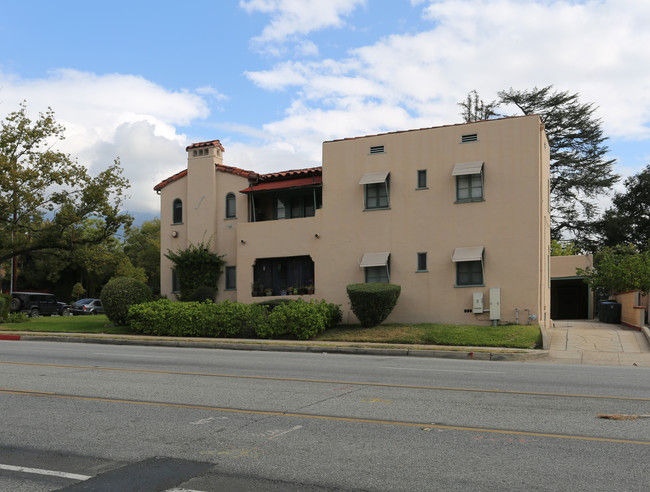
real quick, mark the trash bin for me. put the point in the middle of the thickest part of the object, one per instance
(609, 312)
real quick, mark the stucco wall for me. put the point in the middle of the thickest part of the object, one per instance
(565, 266)
(512, 223)
(632, 311)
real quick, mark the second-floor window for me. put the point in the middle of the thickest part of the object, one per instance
(422, 178)
(177, 211)
(376, 188)
(231, 206)
(469, 181)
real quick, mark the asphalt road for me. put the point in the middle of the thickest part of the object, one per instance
(104, 417)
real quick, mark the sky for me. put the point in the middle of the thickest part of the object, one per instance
(273, 79)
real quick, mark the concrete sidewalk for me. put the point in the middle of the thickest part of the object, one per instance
(593, 342)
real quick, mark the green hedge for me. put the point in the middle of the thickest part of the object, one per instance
(372, 303)
(227, 319)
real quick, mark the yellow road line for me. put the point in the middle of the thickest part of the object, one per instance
(327, 417)
(270, 378)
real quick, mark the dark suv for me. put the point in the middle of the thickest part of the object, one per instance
(36, 304)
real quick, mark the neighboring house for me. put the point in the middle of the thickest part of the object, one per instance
(458, 215)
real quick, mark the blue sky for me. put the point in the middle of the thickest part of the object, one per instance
(273, 79)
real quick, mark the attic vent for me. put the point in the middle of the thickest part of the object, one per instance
(379, 149)
(472, 137)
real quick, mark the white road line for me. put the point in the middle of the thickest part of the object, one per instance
(443, 370)
(38, 471)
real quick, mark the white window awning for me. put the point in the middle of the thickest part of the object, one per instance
(474, 253)
(464, 168)
(374, 260)
(372, 178)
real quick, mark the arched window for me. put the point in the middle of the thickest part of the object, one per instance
(231, 206)
(177, 211)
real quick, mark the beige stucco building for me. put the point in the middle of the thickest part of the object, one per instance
(458, 215)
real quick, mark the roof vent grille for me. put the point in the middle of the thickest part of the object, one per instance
(472, 137)
(378, 149)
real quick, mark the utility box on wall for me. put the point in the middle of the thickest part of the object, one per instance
(477, 306)
(495, 303)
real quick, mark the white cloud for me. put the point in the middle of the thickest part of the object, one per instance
(589, 47)
(291, 18)
(113, 115)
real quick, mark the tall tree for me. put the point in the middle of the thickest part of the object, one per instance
(45, 195)
(475, 109)
(628, 220)
(580, 170)
(142, 246)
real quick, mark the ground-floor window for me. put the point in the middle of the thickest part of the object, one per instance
(469, 273)
(377, 275)
(291, 275)
(231, 277)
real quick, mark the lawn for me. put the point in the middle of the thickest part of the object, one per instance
(68, 324)
(512, 336)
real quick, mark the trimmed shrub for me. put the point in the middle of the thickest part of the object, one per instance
(196, 319)
(372, 303)
(202, 293)
(272, 303)
(120, 293)
(300, 319)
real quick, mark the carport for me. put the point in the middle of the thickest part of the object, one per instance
(570, 299)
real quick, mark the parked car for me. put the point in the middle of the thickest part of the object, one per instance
(87, 306)
(36, 304)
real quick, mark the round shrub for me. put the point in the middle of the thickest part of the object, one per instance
(372, 303)
(120, 293)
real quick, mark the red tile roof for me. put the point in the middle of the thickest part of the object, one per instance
(293, 173)
(252, 176)
(218, 167)
(211, 143)
(171, 179)
(284, 184)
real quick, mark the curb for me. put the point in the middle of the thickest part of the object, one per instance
(9, 337)
(469, 354)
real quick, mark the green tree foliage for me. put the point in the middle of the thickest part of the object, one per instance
(474, 109)
(121, 293)
(580, 170)
(628, 220)
(45, 195)
(620, 268)
(563, 248)
(372, 303)
(142, 246)
(196, 267)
